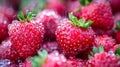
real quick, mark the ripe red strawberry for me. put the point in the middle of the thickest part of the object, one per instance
(105, 41)
(50, 46)
(7, 51)
(103, 59)
(56, 5)
(26, 35)
(74, 36)
(100, 14)
(50, 20)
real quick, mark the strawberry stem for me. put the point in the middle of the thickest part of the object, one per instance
(21, 17)
(81, 22)
(29, 16)
(85, 2)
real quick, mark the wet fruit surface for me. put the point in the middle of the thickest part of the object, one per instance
(59, 33)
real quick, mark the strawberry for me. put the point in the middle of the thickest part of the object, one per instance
(100, 14)
(50, 46)
(105, 41)
(26, 35)
(48, 60)
(50, 20)
(7, 51)
(103, 59)
(74, 36)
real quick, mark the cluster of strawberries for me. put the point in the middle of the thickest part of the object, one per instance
(60, 33)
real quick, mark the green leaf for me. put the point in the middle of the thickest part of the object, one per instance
(86, 25)
(101, 49)
(96, 50)
(28, 18)
(73, 19)
(79, 23)
(117, 52)
(38, 61)
(21, 17)
(85, 2)
(30, 15)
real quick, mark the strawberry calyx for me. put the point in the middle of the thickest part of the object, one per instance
(117, 52)
(29, 16)
(85, 2)
(81, 22)
(38, 61)
(117, 26)
(96, 50)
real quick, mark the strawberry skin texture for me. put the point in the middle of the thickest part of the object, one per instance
(72, 39)
(105, 41)
(103, 60)
(7, 51)
(100, 14)
(26, 37)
